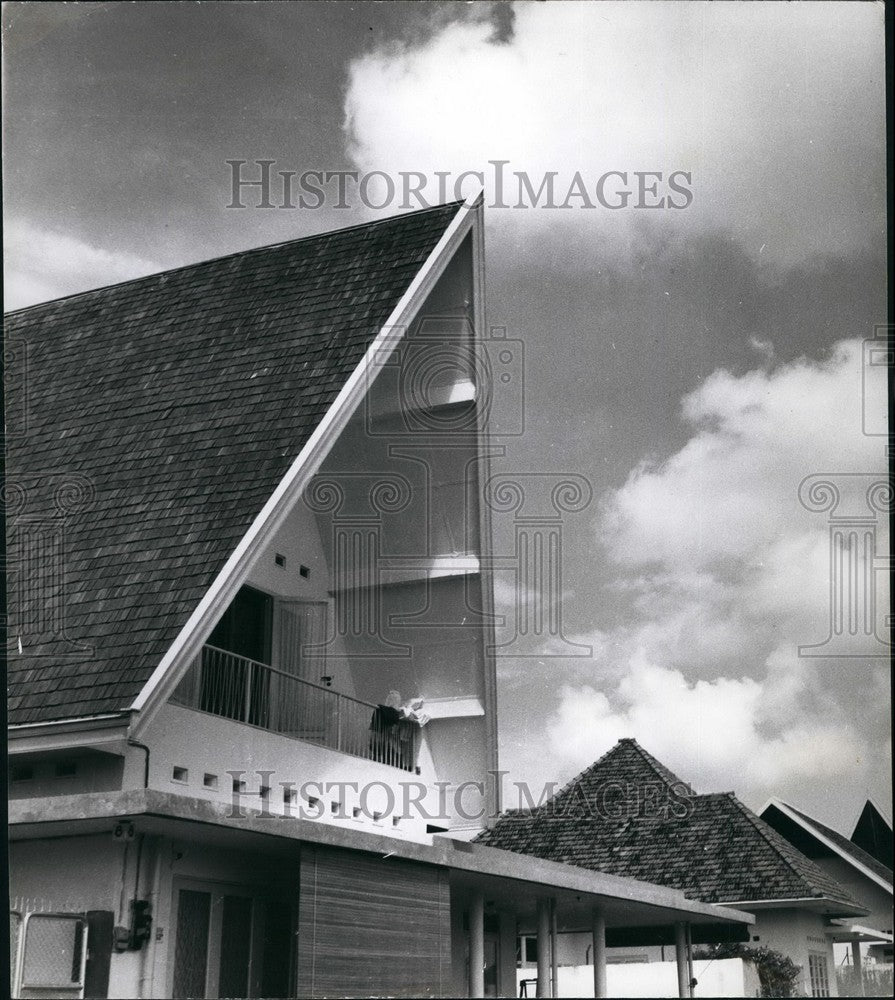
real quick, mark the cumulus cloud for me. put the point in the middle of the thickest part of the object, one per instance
(726, 575)
(755, 437)
(41, 264)
(777, 112)
(712, 731)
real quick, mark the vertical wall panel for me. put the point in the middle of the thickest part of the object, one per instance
(370, 926)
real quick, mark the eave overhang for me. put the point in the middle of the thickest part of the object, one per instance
(162, 812)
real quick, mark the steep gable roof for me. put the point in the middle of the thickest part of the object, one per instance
(786, 818)
(153, 421)
(710, 846)
(873, 834)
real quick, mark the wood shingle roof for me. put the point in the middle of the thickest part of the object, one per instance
(628, 815)
(147, 425)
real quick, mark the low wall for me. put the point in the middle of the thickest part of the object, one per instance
(728, 977)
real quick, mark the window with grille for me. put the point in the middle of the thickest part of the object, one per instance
(48, 953)
(817, 974)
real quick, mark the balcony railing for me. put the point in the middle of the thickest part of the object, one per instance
(260, 695)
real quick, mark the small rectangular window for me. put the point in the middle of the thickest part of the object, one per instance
(23, 772)
(210, 780)
(180, 774)
(66, 768)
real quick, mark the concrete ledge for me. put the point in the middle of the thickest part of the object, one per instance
(63, 815)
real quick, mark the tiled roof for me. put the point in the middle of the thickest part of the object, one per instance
(846, 846)
(153, 421)
(628, 815)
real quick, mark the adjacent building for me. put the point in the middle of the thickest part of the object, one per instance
(629, 815)
(865, 875)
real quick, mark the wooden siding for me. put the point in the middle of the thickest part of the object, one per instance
(372, 926)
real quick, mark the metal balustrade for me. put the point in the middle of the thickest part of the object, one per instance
(236, 687)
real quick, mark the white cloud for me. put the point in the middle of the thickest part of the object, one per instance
(709, 732)
(776, 110)
(731, 493)
(40, 264)
(728, 574)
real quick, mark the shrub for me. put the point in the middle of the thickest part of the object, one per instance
(776, 972)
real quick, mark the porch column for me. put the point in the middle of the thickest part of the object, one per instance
(598, 930)
(680, 953)
(691, 979)
(543, 989)
(856, 964)
(554, 974)
(477, 945)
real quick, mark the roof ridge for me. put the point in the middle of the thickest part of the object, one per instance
(590, 767)
(657, 766)
(235, 253)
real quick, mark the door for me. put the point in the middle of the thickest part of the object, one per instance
(222, 947)
(231, 686)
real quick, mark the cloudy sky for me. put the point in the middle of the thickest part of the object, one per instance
(695, 365)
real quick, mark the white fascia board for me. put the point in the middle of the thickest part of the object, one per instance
(453, 708)
(486, 451)
(68, 734)
(263, 529)
(844, 931)
(831, 844)
(401, 569)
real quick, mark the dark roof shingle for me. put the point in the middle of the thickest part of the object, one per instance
(632, 817)
(149, 422)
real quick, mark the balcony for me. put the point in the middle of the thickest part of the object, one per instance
(256, 694)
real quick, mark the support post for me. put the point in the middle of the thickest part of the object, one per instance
(598, 930)
(691, 979)
(680, 954)
(477, 945)
(543, 988)
(554, 963)
(856, 964)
